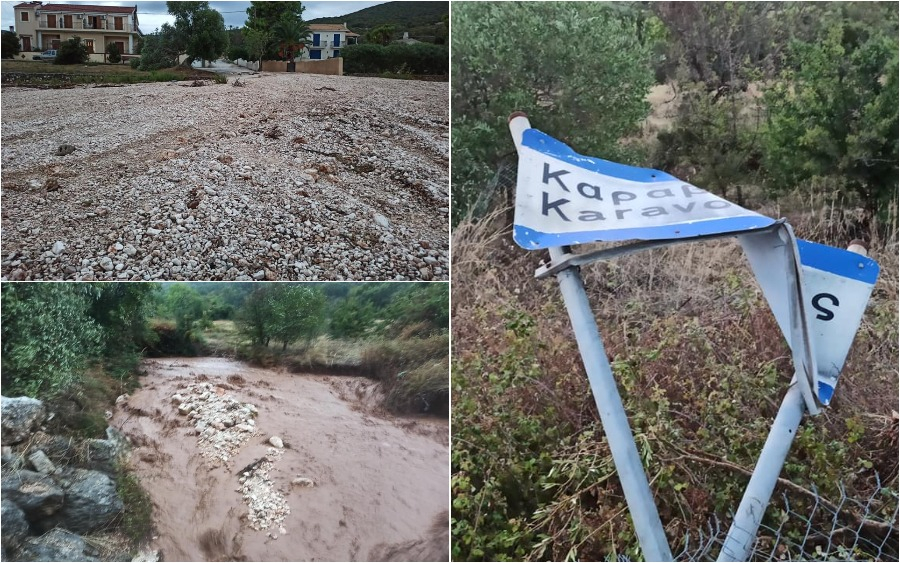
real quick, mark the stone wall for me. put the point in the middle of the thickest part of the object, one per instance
(333, 66)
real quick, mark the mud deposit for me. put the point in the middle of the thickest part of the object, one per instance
(380, 483)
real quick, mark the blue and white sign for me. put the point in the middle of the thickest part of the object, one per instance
(818, 305)
(564, 198)
(837, 284)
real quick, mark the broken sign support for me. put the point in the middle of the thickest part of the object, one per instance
(629, 468)
(742, 535)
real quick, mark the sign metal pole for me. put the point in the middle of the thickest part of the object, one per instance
(641, 506)
(742, 534)
(639, 497)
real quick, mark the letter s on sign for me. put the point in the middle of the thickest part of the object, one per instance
(824, 314)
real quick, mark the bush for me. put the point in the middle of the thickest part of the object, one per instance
(158, 53)
(238, 52)
(135, 63)
(112, 53)
(418, 58)
(71, 52)
(220, 78)
(11, 45)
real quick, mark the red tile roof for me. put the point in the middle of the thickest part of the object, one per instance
(327, 27)
(84, 8)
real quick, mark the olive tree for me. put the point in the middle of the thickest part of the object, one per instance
(578, 69)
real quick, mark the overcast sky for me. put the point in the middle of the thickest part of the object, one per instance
(151, 15)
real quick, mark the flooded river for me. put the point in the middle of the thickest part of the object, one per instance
(381, 482)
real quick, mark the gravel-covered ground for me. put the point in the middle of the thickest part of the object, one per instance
(291, 177)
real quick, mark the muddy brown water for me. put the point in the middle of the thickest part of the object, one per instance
(381, 482)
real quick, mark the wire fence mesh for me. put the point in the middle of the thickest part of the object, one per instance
(849, 529)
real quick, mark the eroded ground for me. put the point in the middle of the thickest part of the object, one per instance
(290, 177)
(380, 483)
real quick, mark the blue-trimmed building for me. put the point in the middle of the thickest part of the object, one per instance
(327, 39)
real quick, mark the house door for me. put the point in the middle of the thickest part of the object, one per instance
(26, 44)
(54, 43)
(51, 20)
(316, 54)
(121, 47)
(118, 23)
(67, 22)
(96, 22)
(315, 39)
(337, 40)
(89, 45)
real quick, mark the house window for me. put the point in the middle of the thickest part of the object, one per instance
(67, 22)
(118, 21)
(24, 16)
(51, 20)
(337, 52)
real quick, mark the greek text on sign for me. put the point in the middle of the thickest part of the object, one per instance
(563, 198)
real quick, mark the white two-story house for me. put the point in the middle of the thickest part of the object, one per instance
(326, 40)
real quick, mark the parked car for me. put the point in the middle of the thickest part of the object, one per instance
(48, 55)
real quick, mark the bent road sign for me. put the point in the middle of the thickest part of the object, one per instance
(564, 198)
(837, 284)
(830, 291)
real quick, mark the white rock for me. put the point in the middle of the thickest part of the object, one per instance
(276, 441)
(58, 247)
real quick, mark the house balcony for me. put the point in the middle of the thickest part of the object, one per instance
(77, 25)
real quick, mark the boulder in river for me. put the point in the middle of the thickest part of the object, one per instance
(20, 416)
(37, 495)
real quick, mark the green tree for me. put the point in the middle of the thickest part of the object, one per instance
(383, 34)
(423, 306)
(160, 50)
(71, 52)
(253, 318)
(297, 312)
(10, 45)
(275, 23)
(200, 31)
(258, 43)
(186, 306)
(834, 114)
(586, 85)
(48, 336)
(290, 30)
(112, 53)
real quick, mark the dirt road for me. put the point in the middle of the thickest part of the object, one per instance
(380, 483)
(289, 177)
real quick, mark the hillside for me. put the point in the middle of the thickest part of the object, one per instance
(421, 19)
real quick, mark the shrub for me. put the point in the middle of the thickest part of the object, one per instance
(11, 45)
(112, 53)
(71, 52)
(418, 58)
(220, 79)
(238, 52)
(135, 63)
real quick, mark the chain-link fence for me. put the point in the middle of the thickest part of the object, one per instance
(849, 529)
